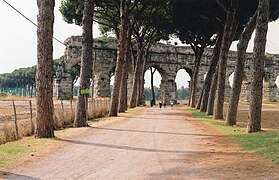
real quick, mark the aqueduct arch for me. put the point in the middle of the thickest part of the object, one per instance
(168, 58)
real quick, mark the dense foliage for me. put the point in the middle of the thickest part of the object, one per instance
(21, 82)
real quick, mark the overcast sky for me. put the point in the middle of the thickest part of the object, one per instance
(18, 46)
(18, 38)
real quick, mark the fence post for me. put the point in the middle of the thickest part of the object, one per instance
(92, 107)
(72, 113)
(94, 104)
(31, 117)
(62, 107)
(16, 128)
(102, 104)
(86, 107)
(89, 107)
(107, 103)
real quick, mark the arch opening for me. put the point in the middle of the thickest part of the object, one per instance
(148, 92)
(111, 83)
(277, 86)
(277, 81)
(231, 79)
(182, 80)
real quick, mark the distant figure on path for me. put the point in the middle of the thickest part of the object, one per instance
(160, 104)
(171, 103)
(151, 102)
(165, 104)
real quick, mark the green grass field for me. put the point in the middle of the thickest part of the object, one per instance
(264, 143)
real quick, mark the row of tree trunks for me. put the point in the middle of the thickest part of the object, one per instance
(212, 93)
(212, 68)
(226, 43)
(137, 75)
(198, 56)
(128, 59)
(255, 108)
(239, 70)
(198, 106)
(86, 65)
(260, 20)
(44, 80)
(141, 83)
(44, 119)
(140, 98)
(124, 10)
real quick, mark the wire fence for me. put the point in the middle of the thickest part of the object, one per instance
(17, 118)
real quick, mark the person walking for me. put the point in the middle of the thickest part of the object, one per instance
(171, 103)
(165, 104)
(160, 104)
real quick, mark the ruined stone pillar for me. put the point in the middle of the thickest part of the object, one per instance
(168, 89)
(102, 84)
(64, 87)
(245, 92)
(103, 69)
(270, 90)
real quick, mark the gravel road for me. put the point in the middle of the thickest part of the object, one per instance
(151, 144)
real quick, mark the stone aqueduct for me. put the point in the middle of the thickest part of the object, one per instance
(167, 59)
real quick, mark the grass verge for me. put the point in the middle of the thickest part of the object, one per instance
(265, 143)
(28, 148)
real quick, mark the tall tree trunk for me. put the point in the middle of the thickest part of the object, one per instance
(93, 76)
(210, 73)
(86, 65)
(140, 98)
(141, 83)
(198, 55)
(255, 108)
(198, 106)
(226, 43)
(139, 87)
(128, 59)
(124, 7)
(137, 75)
(239, 70)
(122, 106)
(152, 85)
(190, 87)
(44, 81)
(190, 91)
(212, 93)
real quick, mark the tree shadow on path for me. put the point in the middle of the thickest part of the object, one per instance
(8, 175)
(154, 132)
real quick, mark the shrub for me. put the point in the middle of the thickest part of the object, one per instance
(3, 94)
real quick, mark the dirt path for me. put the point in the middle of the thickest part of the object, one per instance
(153, 144)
